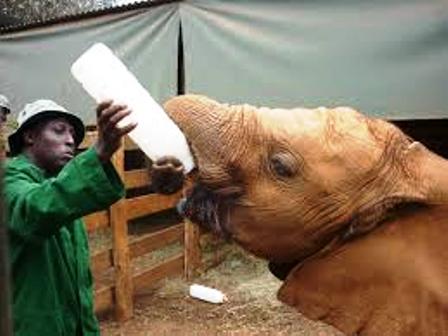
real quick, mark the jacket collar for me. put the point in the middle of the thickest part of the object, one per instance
(24, 162)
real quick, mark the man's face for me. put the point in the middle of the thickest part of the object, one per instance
(51, 144)
(3, 113)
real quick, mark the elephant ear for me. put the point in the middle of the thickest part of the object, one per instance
(393, 281)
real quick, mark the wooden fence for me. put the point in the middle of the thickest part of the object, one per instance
(126, 283)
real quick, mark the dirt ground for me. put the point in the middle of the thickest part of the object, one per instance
(252, 307)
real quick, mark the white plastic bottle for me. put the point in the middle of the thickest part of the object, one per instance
(104, 76)
(207, 294)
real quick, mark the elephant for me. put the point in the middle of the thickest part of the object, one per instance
(349, 211)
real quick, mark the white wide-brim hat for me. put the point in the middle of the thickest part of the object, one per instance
(36, 111)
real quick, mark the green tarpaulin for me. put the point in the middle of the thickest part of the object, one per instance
(36, 63)
(386, 58)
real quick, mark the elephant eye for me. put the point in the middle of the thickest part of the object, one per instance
(283, 165)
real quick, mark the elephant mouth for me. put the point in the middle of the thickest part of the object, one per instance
(210, 208)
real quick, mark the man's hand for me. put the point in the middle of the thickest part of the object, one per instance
(109, 134)
(167, 175)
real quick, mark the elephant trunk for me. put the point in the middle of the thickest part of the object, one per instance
(215, 131)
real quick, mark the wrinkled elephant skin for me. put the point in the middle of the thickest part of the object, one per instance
(355, 208)
(390, 282)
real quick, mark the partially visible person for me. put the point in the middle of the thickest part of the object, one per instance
(5, 109)
(47, 191)
(5, 315)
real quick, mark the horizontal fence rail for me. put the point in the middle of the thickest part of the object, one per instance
(127, 282)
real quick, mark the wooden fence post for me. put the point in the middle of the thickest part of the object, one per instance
(192, 253)
(119, 226)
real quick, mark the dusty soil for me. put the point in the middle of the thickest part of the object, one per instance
(252, 307)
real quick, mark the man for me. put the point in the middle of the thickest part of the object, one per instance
(47, 191)
(5, 108)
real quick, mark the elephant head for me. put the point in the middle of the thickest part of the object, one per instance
(301, 185)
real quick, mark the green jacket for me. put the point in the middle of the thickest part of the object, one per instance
(52, 284)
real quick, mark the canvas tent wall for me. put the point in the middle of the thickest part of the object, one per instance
(36, 63)
(387, 58)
